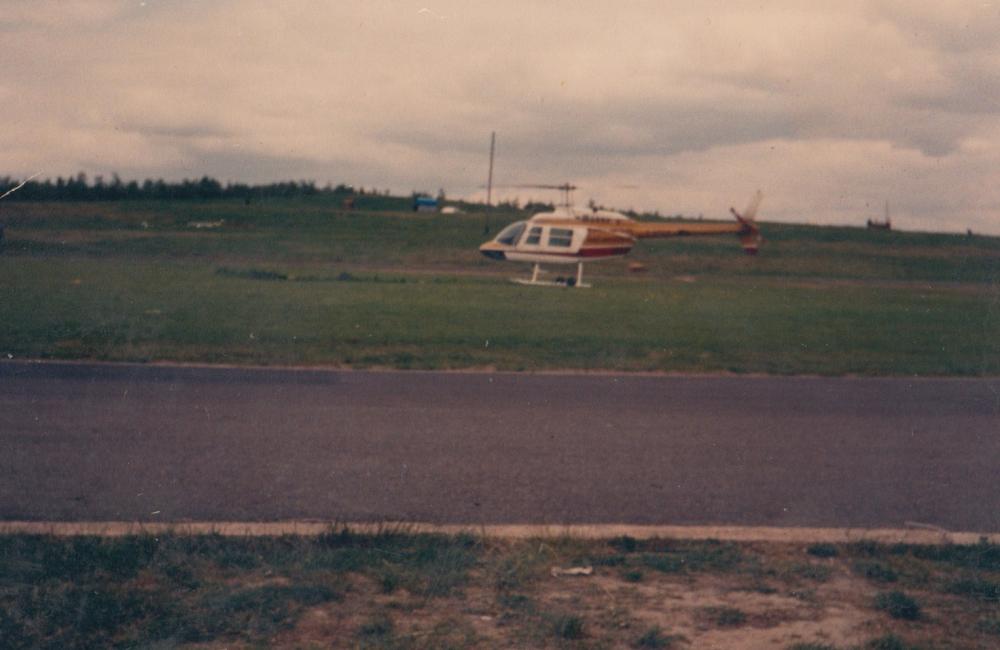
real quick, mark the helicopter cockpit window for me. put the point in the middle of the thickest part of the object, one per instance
(511, 234)
(560, 237)
(534, 235)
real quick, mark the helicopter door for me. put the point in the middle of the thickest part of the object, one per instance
(534, 237)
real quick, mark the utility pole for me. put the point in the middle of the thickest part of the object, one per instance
(489, 183)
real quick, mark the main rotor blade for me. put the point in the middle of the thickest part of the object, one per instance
(546, 186)
(751, 212)
(531, 186)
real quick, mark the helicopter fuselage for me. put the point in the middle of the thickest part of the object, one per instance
(556, 238)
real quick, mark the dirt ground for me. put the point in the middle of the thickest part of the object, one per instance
(792, 600)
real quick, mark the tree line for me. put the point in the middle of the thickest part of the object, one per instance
(80, 188)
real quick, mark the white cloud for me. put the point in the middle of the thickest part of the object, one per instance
(60, 14)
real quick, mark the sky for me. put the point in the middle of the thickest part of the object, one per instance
(831, 109)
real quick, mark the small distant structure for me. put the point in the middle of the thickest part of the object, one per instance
(881, 225)
(451, 209)
(206, 224)
(425, 204)
(348, 203)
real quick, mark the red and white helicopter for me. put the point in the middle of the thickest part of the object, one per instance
(569, 235)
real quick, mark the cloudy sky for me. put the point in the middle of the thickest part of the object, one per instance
(682, 107)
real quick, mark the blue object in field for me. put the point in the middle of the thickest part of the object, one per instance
(424, 203)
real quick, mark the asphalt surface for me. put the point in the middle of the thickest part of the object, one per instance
(152, 443)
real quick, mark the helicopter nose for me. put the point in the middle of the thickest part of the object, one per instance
(492, 251)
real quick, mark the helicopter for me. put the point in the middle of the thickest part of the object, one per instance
(570, 235)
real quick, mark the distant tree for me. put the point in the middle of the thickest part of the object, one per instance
(205, 188)
(209, 188)
(539, 206)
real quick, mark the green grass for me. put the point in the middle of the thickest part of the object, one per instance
(184, 311)
(296, 282)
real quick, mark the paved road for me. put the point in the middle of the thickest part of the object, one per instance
(119, 442)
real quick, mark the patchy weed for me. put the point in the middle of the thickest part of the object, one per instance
(875, 571)
(655, 638)
(709, 555)
(822, 550)
(623, 544)
(632, 575)
(888, 642)
(982, 556)
(989, 626)
(898, 605)
(725, 616)
(568, 626)
(979, 589)
(138, 591)
(388, 582)
(256, 611)
(816, 572)
(379, 626)
(663, 563)
(865, 548)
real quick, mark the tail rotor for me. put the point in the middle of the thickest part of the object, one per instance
(749, 236)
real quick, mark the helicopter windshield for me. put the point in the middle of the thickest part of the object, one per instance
(511, 233)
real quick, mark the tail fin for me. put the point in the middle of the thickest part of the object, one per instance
(750, 234)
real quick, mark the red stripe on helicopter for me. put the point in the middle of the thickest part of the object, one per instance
(603, 252)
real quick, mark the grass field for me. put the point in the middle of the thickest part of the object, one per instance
(400, 590)
(299, 282)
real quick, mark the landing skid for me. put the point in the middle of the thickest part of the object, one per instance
(558, 282)
(549, 283)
